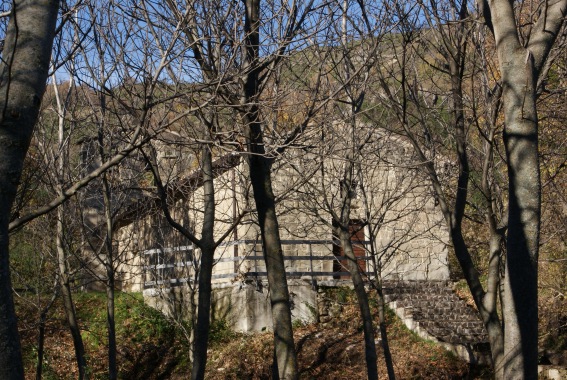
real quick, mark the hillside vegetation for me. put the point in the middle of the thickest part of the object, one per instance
(151, 347)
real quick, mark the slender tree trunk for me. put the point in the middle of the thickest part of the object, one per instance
(40, 344)
(362, 297)
(273, 256)
(75, 330)
(201, 335)
(23, 74)
(11, 366)
(64, 280)
(260, 175)
(344, 234)
(111, 325)
(495, 252)
(343, 231)
(488, 314)
(379, 292)
(347, 189)
(200, 312)
(68, 298)
(110, 277)
(41, 336)
(487, 310)
(193, 292)
(455, 53)
(383, 329)
(205, 273)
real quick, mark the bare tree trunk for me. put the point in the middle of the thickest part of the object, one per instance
(384, 339)
(68, 298)
(487, 310)
(362, 297)
(273, 255)
(260, 165)
(201, 334)
(11, 366)
(377, 269)
(382, 327)
(452, 45)
(110, 279)
(524, 209)
(520, 69)
(200, 312)
(379, 293)
(111, 325)
(23, 74)
(41, 336)
(496, 240)
(520, 284)
(108, 249)
(205, 273)
(63, 266)
(344, 234)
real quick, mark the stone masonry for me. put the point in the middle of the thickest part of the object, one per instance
(435, 312)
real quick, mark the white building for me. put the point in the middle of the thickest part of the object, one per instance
(398, 231)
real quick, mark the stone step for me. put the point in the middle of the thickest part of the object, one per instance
(423, 297)
(405, 286)
(456, 332)
(452, 306)
(450, 315)
(433, 307)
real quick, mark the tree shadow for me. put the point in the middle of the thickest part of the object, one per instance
(322, 351)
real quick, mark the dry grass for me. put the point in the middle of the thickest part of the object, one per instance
(335, 351)
(148, 351)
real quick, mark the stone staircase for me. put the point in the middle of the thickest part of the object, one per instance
(435, 312)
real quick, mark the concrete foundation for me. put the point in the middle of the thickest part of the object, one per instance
(244, 305)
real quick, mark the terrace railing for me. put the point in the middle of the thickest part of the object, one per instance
(175, 266)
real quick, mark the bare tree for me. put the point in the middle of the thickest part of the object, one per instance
(285, 359)
(23, 74)
(226, 40)
(449, 35)
(211, 235)
(452, 43)
(59, 155)
(523, 60)
(353, 85)
(127, 106)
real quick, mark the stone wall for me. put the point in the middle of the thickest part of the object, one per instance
(409, 238)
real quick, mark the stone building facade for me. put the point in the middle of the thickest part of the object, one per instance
(397, 230)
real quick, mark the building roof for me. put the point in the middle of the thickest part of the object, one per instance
(175, 190)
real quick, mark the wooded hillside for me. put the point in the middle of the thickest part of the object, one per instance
(106, 103)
